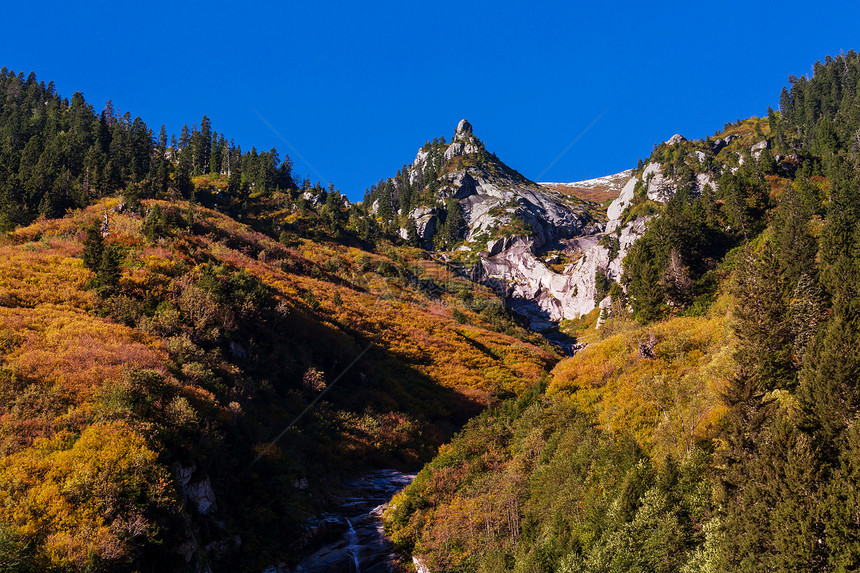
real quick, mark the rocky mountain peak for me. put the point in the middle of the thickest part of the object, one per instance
(464, 142)
(464, 130)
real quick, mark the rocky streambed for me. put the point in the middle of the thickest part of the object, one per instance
(362, 546)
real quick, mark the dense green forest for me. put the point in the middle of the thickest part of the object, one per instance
(59, 154)
(596, 473)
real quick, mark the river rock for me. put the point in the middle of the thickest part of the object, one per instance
(355, 529)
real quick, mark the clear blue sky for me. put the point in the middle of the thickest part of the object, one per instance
(357, 87)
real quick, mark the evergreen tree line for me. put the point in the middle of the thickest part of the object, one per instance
(823, 112)
(786, 494)
(57, 154)
(395, 198)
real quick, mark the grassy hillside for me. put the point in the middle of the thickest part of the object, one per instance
(208, 343)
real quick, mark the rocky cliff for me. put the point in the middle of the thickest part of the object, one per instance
(547, 296)
(551, 252)
(493, 200)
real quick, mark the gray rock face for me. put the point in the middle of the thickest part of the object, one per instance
(464, 129)
(616, 208)
(426, 219)
(660, 189)
(201, 496)
(756, 149)
(458, 148)
(553, 296)
(677, 138)
(556, 296)
(454, 150)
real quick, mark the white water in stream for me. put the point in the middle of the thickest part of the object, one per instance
(363, 546)
(353, 548)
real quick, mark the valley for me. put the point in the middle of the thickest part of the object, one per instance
(208, 365)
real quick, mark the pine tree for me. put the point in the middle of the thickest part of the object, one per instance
(842, 506)
(762, 322)
(93, 247)
(830, 381)
(109, 271)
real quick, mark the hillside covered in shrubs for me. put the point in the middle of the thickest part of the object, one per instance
(712, 422)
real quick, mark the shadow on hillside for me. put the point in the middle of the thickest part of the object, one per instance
(540, 322)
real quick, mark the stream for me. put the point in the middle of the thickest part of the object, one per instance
(363, 547)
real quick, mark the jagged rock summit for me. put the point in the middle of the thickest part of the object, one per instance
(464, 129)
(549, 253)
(458, 191)
(465, 143)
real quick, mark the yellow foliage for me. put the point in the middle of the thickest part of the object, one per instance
(87, 497)
(660, 383)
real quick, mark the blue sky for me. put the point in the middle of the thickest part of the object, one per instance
(355, 88)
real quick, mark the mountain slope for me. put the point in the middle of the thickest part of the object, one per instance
(461, 192)
(597, 190)
(198, 351)
(711, 423)
(227, 337)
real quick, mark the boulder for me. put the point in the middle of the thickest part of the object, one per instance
(719, 144)
(704, 180)
(311, 198)
(677, 138)
(756, 149)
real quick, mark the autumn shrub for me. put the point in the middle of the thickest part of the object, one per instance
(141, 394)
(88, 501)
(660, 383)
